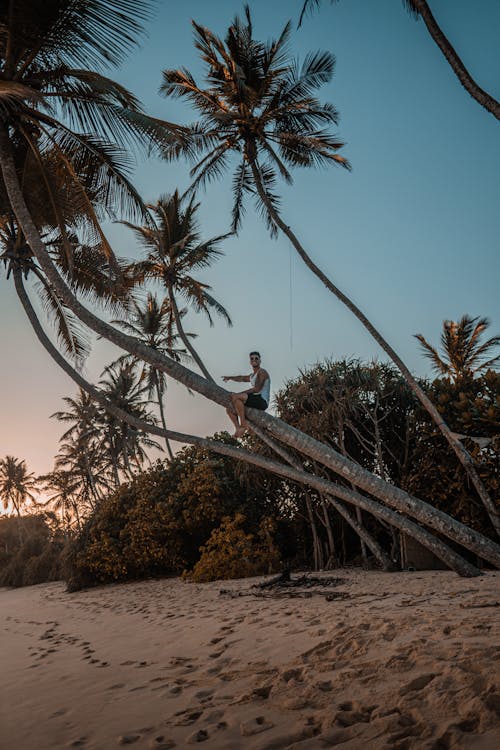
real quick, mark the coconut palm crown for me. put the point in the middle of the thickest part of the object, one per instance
(174, 252)
(464, 354)
(16, 483)
(51, 102)
(258, 104)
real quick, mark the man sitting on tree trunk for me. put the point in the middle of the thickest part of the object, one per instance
(257, 396)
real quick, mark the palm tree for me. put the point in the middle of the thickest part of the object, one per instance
(86, 463)
(174, 252)
(123, 442)
(261, 107)
(64, 498)
(420, 8)
(16, 483)
(464, 354)
(81, 441)
(87, 268)
(154, 324)
(60, 126)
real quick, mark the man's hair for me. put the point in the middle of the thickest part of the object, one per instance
(254, 353)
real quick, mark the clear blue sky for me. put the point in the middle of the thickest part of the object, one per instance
(412, 234)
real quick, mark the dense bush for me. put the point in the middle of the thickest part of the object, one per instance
(156, 524)
(471, 407)
(231, 552)
(31, 550)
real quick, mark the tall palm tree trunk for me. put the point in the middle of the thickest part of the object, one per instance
(402, 501)
(461, 453)
(184, 337)
(317, 550)
(461, 72)
(90, 477)
(162, 414)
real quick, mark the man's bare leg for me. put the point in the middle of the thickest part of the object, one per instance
(238, 400)
(234, 419)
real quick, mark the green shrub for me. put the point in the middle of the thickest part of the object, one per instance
(156, 524)
(231, 552)
(31, 550)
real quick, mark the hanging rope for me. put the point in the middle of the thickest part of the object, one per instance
(290, 295)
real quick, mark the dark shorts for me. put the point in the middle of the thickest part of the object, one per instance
(255, 401)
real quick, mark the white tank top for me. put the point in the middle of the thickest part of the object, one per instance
(266, 388)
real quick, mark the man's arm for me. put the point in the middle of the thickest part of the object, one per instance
(236, 378)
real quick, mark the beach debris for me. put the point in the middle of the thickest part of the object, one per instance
(285, 586)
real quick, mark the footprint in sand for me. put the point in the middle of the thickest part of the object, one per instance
(161, 743)
(216, 654)
(255, 726)
(198, 736)
(187, 717)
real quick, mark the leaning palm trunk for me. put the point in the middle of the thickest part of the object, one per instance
(184, 337)
(461, 72)
(461, 453)
(162, 413)
(394, 496)
(441, 550)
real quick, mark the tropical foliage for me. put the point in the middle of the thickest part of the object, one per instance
(463, 352)
(35, 555)
(257, 106)
(230, 552)
(157, 523)
(174, 252)
(16, 484)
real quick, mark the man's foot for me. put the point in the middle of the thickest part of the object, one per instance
(240, 431)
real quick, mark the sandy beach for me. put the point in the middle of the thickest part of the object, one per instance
(404, 660)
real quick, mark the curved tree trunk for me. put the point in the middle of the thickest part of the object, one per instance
(162, 414)
(399, 499)
(461, 453)
(461, 72)
(184, 337)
